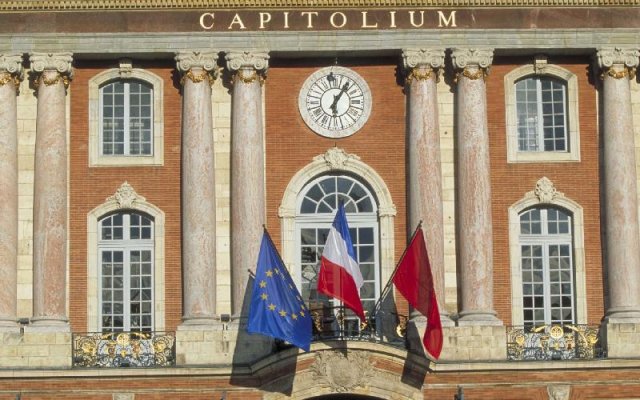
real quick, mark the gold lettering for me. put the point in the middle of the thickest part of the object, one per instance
(237, 20)
(286, 19)
(203, 23)
(333, 22)
(364, 21)
(413, 22)
(309, 15)
(264, 18)
(392, 14)
(451, 20)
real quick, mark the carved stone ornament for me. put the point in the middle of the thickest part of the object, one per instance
(60, 62)
(125, 196)
(256, 60)
(433, 58)
(125, 68)
(558, 392)
(540, 63)
(480, 58)
(124, 396)
(206, 61)
(342, 372)
(545, 191)
(336, 158)
(618, 63)
(11, 64)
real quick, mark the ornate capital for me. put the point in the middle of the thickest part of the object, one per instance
(56, 62)
(473, 63)
(11, 69)
(336, 158)
(125, 196)
(248, 66)
(421, 63)
(618, 62)
(206, 61)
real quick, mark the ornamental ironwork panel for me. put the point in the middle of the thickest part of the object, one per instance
(124, 349)
(554, 342)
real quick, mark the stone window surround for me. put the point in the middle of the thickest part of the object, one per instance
(96, 159)
(336, 160)
(557, 199)
(573, 135)
(111, 205)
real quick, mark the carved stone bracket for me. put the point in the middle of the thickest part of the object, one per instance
(545, 191)
(421, 64)
(248, 66)
(473, 63)
(206, 61)
(336, 158)
(11, 69)
(126, 196)
(540, 63)
(618, 63)
(56, 62)
(342, 373)
(125, 68)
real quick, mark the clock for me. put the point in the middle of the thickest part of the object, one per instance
(335, 102)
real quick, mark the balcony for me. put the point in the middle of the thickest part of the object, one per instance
(554, 342)
(123, 349)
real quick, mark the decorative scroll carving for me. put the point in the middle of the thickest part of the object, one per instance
(559, 392)
(125, 196)
(206, 61)
(247, 66)
(473, 63)
(57, 62)
(544, 192)
(11, 69)
(342, 373)
(618, 63)
(554, 342)
(336, 158)
(422, 64)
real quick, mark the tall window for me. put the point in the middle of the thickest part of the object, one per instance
(125, 251)
(318, 203)
(541, 104)
(126, 118)
(547, 267)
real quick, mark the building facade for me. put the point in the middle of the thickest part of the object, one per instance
(146, 145)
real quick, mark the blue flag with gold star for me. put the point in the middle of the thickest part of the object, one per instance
(277, 309)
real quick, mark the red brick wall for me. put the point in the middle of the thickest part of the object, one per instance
(579, 181)
(89, 187)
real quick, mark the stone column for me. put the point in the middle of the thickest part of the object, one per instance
(11, 74)
(474, 221)
(198, 188)
(247, 168)
(620, 195)
(52, 73)
(424, 184)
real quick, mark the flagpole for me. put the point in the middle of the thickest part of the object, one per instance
(395, 270)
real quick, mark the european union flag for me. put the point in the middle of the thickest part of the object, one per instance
(277, 309)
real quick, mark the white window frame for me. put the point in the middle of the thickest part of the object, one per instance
(571, 114)
(96, 158)
(125, 245)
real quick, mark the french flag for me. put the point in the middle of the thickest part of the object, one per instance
(340, 275)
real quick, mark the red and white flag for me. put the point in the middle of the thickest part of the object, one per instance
(340, 275)
(414, 280)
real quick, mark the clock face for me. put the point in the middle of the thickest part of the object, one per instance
(335, 102)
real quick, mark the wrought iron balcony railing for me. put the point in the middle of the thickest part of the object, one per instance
(335, 323)
(554, 342)
(124, 349)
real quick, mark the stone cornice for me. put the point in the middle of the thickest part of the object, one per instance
(84, 5)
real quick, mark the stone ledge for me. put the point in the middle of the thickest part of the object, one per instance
(622, 339)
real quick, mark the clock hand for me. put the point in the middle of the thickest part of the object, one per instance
(334, 105)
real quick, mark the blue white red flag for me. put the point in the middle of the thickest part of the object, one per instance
(340, 275)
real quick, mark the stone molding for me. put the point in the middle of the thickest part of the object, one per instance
(611, 59)
(68, 5)
(207, 61)
(11, 68)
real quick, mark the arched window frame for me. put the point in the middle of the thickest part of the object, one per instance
(546, 195)
(336, 160)
(124, 199)
(125, 72)
(542, 69)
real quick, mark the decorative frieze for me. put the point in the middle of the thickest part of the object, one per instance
(52, 62)
(11, 69)
(618, 63)
(248, 66)
(473, 63)
(205, 64)
(422, 64)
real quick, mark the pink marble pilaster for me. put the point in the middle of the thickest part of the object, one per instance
(474, 223)
(52, 73)
(424, 186)
(11, 72)
(622, 237)
(247, 169)
(198, 70)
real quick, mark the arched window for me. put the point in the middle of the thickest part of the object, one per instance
(546, 257)
(317, 205)
(126, 278)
